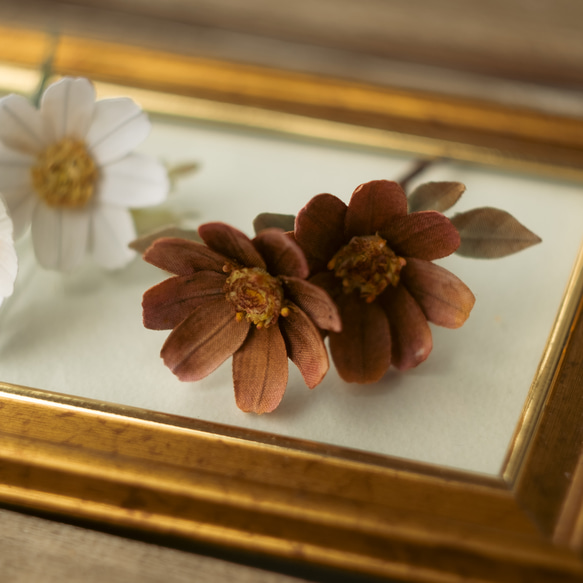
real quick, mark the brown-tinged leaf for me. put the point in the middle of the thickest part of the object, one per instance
(444, 298)
(411, 340)
(305, 346)
(435, 196)
(142, 243)
(179, 170)
(201, 343)
(315, 301)
(489, 233)
(273, 220)
(362, 350)
(281, 253)
(260, 370)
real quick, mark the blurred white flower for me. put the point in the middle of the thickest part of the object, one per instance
(67, 169)
(8, 261)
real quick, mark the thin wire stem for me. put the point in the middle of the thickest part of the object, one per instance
(418, 167)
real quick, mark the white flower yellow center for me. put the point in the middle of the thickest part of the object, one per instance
(65, 174)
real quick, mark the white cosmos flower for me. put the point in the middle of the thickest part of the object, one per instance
(8, 261)
(67, 169)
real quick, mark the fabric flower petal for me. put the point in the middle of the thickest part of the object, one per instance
(305, 346)
(201, 343)
(260, 370)
(134, 181)
(232, 243)
(282, 255)
(15, 169)
(374, 205)
(183, 256)
(67, 108)
(410, 332)
(319, 229)
(21, 206)
(16, 187)
(331, 284)
(8, 259)
(22, 125)
(314, 301)
(59, 236)
(119, 125)
(170, 302)
(112, 230)
(426, 235)
(443, 297)
(362, 350)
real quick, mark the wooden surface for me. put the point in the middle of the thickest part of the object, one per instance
(35, 550)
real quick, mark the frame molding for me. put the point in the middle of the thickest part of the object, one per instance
(307, 502)
(427, 124)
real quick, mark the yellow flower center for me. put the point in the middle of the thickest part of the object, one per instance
(256, 295)
(65, 174)
(366, 264)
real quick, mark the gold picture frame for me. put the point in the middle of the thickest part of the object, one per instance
(296, 500)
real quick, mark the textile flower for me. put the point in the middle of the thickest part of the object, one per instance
(375, 260)
(67, 169)
(243, 298)
(8, 260)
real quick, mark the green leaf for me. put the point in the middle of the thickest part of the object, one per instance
(435, 196)
(488, 233)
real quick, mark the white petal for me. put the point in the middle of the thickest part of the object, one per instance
(118, 126)
(60, 236)
(8, 260)
(67, 108)
(15, 168)
(112, 229)
(21, 125)
(20, 205)
(16, 187)
(134, 181)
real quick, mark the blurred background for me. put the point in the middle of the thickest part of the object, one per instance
(519, 52)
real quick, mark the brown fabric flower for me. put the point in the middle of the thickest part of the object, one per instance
(240, 297)
(375, 259)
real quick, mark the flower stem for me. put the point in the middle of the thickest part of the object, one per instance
(46, 71)
(418, 167)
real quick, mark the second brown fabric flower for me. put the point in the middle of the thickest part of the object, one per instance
(375, 260)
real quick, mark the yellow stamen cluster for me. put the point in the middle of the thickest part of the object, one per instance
(366, 264)
(65, 174)
(256, 295)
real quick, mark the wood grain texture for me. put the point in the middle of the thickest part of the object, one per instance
(36, 550)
